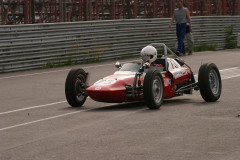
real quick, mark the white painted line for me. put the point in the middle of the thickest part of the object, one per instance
(229, 77)
(230, 73)
(225, 74)
(225, 71)
(22, 109)
(33, 74)
(40, 120)
(49, 118)
(234, 68)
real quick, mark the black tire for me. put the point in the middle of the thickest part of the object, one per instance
(74, 87)
(209, 82)
(153, 89)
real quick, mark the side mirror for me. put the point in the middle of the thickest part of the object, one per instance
(118, 65)
(146, 65)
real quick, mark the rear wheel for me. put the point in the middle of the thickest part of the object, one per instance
(209, 81)
(75, 87)
(153, 89)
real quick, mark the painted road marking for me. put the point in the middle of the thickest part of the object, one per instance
(34, 107)
(225, 74)
(230, 73)
(33, 74)
(40, 120)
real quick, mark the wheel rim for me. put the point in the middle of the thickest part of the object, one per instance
(157, 90)
(214, 82)
(79, 89)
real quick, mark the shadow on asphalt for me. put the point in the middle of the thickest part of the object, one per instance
(121, 107)
(105, 107)
(184, 101)
(178, 102)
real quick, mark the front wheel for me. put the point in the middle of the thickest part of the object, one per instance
(209, 82)
(153, 89)
(75, 87)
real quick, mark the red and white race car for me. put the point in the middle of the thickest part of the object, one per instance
(139, 81)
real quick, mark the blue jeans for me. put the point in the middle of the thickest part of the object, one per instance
(181, 31)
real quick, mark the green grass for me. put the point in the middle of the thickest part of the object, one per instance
(205, 48)
(231, 41)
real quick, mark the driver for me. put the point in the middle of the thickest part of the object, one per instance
(149, 54)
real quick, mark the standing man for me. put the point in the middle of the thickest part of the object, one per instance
(181, 16)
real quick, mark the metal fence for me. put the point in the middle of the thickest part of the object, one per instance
(52, 11)
(33, 46)
(238, 40)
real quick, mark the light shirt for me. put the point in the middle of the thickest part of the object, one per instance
(181, 15)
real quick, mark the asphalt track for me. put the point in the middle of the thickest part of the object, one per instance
(36, 122)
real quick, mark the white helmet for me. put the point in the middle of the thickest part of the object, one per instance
(149, 54)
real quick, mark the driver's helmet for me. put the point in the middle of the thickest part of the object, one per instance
(149, 54)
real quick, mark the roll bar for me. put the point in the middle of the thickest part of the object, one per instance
(165, 53)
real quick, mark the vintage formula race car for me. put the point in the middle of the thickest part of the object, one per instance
(140, 81)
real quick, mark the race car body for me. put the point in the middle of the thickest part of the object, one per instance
(139, 81)
(113, 88)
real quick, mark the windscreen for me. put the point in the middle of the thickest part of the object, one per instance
(133, 67)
